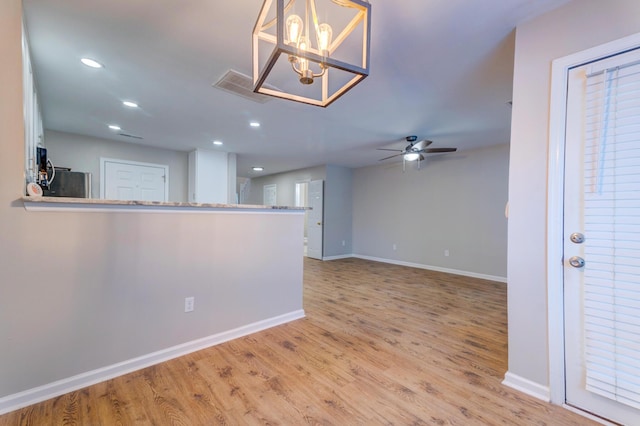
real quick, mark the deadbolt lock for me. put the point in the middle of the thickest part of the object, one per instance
(577, 238)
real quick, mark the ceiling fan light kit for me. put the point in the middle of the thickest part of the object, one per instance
(414, 151)
(291, 44)
(411, 156)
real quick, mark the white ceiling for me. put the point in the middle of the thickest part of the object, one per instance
(440, 69)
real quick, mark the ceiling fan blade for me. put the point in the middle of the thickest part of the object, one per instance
(431, 150)
(419, 146)
(395, 155)
(387, 149)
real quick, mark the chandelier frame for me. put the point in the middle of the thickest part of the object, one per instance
(324, 59)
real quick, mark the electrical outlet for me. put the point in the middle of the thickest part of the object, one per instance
(344, 243)
(446, 252)
(189, 303)
(395, 247)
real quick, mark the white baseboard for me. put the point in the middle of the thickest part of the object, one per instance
(434, 268)
(61, 387)
(527, 386)
(340, 256)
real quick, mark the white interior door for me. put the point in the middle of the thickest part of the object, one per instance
(315, 221)
(126, 180)
(269, 195)
(602, 229)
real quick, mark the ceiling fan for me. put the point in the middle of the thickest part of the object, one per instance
(414, 151)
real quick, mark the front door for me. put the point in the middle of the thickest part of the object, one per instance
(602, 238)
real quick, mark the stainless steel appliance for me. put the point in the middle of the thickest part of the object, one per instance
(70, 184)
(43, 163)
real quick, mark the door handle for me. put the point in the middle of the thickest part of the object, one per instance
(576, 261)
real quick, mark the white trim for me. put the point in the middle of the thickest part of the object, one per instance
(61, 387)
(338, 257)
(555, 202)
(555, 205)
(527, 386)
(543, 393)
(434, 268)
(103, 183)
(589, 415)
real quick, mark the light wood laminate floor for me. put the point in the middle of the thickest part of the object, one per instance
(381, 344)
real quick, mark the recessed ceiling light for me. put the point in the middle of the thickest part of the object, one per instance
(114, 127)
(91, 63)
(217, 143)
(130, 104)
(254, 124)
(257, 169)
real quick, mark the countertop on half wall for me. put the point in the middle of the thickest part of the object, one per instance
(92, 204)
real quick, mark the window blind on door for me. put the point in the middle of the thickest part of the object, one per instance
(612, 230)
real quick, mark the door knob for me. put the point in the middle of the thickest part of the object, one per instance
(577, 238)
(576, 261)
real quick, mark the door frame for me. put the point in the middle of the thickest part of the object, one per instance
(555, 202)
(105, 160)
(306, 204)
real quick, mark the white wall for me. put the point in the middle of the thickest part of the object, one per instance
(209, 176)
(80, 291)
(82, 154)
(338, 201)
(285, 185)
(338, 212)
(577, 26)
(453, 202)
(232, 186)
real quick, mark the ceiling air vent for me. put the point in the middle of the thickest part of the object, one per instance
(126, 135)
(241, 85)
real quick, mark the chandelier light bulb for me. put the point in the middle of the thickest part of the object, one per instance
(304, 42)
(306, 75)
(304, 64)
(294, 29)
(325, 33)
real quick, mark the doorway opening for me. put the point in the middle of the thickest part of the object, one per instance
(302, 200)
